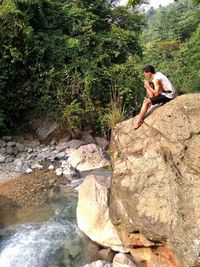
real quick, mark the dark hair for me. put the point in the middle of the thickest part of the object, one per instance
(149, 68)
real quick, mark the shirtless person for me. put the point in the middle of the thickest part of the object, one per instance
(159, 91)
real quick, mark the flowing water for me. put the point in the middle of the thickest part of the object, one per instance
(46, 237)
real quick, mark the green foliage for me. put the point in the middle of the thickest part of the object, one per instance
(135, 3)
(115, 115)
(176, 21)
(175, 51)
(188, 72)
(56, 56)
(73, 116)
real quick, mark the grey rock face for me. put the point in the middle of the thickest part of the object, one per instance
(92, 213)
(156, 177)
(44, 128)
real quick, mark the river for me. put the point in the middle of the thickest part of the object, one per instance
(48, 236)
(45, 236)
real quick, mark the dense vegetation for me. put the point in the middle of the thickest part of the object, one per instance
(80, 61)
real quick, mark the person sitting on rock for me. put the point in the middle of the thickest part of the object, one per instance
(159, 91)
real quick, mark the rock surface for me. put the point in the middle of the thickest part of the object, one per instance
(92, 213)
(44, 127)
(155, 187)
(88, 157)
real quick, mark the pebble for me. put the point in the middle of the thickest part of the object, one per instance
(9, 159)
(2, 159)
(51, 167)
(52, 181)
(20, 147)
(59, 171)
(60, 155)
(36, 166)
(28, 170)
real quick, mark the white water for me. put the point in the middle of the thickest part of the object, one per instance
(46, 244)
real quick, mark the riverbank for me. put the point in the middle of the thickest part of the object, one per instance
(26, 191)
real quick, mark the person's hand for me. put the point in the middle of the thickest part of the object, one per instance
(146, 84)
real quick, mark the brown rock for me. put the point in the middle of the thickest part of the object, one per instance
(135, 240)
(142, 254)
(155, 187)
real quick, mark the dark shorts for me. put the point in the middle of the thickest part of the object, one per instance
(159, 99)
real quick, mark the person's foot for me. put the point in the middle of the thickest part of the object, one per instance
(138, 123)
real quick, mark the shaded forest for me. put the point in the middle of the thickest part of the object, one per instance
(80, 62)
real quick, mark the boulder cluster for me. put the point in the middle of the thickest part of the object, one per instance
(66, 157)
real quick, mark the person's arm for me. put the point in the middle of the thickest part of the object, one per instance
(149, 86)
(157, 87)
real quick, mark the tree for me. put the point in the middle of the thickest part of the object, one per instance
(56, 56)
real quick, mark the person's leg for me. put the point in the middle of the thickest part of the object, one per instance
(149, 93)
(144, 108)
(146, 104)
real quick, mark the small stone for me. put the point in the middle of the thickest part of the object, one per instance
(3, 150)
(101, 142)
(87, 138)
(68, 172)
(107, 254)
(30, 149)
(32, 189)
(59, 171)
(18, 162)
(29, 157)
(53, 142)
(6, 138)
(60, 155)
(45, 149)
(9, 159)
(20, 168)
(99, 263)
(2, 143)
(123, 260)
(20, 147)
(51, 167)
(51, 157)
(52, 181)
(28, 170)
(2, 159)
(10, 150)
(11, 143)
(36, 166)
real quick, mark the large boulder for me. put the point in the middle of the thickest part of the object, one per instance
(92, 212)
(88, 157)
(44, 127)
(155, 189)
